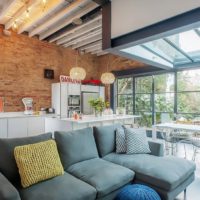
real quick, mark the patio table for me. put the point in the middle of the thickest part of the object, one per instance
(174, 126)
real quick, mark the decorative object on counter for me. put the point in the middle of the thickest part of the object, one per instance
(49, 73)
(28, 103)
(1, 104)
(98, 105)
(108, 77)
(120, 111)
(91, 82)
(108, 110)
(42, 111)
(77, 73)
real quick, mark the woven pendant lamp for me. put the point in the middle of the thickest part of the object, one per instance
(77, 73)
(108, 77)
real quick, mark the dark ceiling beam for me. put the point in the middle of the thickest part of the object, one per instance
(101, 2)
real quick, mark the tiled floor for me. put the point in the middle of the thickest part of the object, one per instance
(193, 191)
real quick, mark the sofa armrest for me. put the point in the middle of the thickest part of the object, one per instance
(157, 149)
(7, 190)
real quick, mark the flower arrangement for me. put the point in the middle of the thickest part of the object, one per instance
(98, 105)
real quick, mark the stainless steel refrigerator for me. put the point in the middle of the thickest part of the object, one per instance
(85, 97)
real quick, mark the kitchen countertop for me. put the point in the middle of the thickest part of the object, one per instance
(21, 114)
(91, 119)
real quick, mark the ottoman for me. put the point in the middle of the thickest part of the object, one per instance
(137, 192)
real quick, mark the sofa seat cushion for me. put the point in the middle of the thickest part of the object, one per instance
(163, 172)
(105, 176)
(65, 187)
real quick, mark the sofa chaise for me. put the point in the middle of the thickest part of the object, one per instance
(92, 168)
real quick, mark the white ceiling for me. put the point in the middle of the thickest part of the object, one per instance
(131, 15)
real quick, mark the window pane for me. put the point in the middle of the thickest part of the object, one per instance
(164, 49)
(145, 120)
(139, 51)
(143, 84)
(125, 86)
(164, 83)
(163, 117)
(143, 102)
(126, 101)
(189, 42)
(164, 102)
(188, 102)
(189, 80)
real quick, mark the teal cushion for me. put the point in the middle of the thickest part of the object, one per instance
(163, 172)
(105, 176)
(76, 146)
(65, 187)
(8, 166)
(105, 138)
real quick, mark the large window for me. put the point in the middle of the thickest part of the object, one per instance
(125, 94)
(161, 98)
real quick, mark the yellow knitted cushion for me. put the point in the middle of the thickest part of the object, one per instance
(38, 162)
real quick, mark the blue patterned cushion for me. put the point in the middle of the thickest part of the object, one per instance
(120, 140)
(137, 192)
(136, 140)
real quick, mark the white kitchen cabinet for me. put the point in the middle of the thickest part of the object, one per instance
(36, 125)
(90, 88)
(102, 92)
(74, 89)
(3, 128)
(17, 127)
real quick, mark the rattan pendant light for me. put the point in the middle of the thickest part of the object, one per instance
(108, 77)
(77, 73)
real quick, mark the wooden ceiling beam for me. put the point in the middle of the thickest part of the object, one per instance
(102, 53)
(94, 44)
(99, 47)
(84, 28)
(50, 7)
(6, 7)
(88, 41)
(83, 11)
(52, 20)
(80, 38)
(20, 12)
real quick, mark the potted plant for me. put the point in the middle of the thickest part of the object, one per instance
(98, 105)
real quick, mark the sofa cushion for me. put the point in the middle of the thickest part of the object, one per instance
(163, 172)
(120, 140)
(65, 187)
(38, 162)
(105, 138)
(105, 176)
(76, 146)
(8, 165)
(136, 141)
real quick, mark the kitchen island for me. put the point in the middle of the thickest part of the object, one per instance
(17, 124)
(66, 124)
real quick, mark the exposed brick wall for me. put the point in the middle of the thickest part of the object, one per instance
(22, 64)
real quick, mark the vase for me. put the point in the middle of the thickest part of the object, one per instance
(97, 113)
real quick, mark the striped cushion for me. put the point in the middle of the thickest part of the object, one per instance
(137, 142)
(120, 140)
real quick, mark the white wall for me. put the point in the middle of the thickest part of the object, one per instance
(131, 15)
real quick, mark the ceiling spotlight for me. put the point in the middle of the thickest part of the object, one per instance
(44, 1)
(14, 26)
(27, 13)
(77, 21)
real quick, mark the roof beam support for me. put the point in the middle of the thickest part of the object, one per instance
(21, 11)
(39, 15)
(89, 7)
(99, 47)
(90, 26)
(6, 6)
(80, 38)
(102, 53)
(93, 44)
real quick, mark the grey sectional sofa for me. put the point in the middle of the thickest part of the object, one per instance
(93, 170)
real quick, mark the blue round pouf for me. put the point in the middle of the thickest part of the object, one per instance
(137, 192)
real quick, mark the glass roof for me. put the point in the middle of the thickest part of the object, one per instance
(173, 51)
